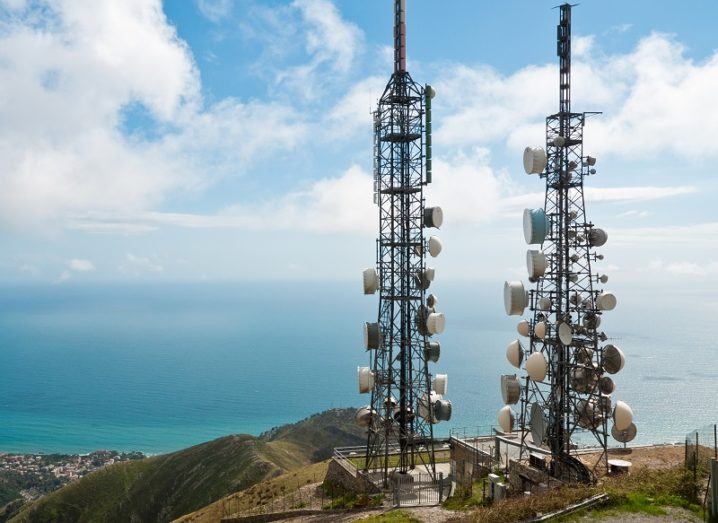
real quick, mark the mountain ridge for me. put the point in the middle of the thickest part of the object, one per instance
(165, 487)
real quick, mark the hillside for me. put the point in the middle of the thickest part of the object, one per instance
(165, 487)
(261, 493)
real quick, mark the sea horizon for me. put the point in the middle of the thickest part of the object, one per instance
(155, 368)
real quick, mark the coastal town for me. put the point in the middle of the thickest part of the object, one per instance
(33, 475)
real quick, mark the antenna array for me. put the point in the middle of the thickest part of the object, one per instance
(405, 401)
(567, 388)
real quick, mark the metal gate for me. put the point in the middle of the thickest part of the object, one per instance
(413, 490)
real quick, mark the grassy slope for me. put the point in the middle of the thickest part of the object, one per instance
(165, 487)
(258, 494)
(644, 492)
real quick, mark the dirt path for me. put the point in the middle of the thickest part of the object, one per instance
(673, 515)
(425, 514)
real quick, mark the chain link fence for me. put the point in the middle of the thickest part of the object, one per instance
(701, 447)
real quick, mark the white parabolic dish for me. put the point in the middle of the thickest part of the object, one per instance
(364, 416)
(372, 335)
(523, 328)
(515, 298)
(510, 389)
(622, 416)
(515, 353)
(536, 366)
(535, 263)
(433, 217)
(441, 383)
(536, 226)
(366, 379)
(606, 301)
(540, 330)
(624, 436)
(371, 280)
(535, 160)
(538, 424)
(426, 406)
(506, 419)
(613, 359)
(435, 246)
(436, 322)
(565, 333)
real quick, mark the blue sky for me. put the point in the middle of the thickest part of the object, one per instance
(231, 140)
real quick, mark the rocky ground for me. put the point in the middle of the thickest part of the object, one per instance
(653, 457)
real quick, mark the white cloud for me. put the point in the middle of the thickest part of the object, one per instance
(619, 29)
(138, 265)
(703, 234)
(329, 37)
(80, 265)
(635, 194)
(684, 268)
(352, 114)
(329, 205)
(30, 269)
(654, 100)
(635, 214)
(14, 5)
(215, 10)
(330, 46)
(598, 195)
(70, 77)
(466, 186)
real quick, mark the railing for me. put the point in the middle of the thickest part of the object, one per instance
(353, 459)
(479, 431)
(347, 457)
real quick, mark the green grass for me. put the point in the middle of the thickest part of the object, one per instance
(465, 500)
(259, 494)
(354, 501)
(643, 492)
(162, 488)
(394, 516)
(443, 456)
(648, 491)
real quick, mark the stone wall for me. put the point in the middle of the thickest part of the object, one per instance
(338, 477)
(523, 478)
(469, 463)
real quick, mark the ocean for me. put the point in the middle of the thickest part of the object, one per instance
(158, 367)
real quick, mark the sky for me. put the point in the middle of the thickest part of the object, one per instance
(218, 140)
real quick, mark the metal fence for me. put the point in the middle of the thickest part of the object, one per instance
(290, 496)
(413, 490)
(701, 447)
(472, 432)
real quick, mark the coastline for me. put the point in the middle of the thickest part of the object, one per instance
(32, 475)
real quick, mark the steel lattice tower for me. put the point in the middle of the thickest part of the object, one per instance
(567, 389)
(403, 405)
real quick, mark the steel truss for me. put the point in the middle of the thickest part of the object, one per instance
(569, 404)
(401, 374)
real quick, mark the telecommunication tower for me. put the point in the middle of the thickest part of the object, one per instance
(567, 388)
(405, 400)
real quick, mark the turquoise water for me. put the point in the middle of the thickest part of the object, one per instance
(160, 367)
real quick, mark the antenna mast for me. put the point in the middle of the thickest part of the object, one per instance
(405, 401)
(567, 389)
